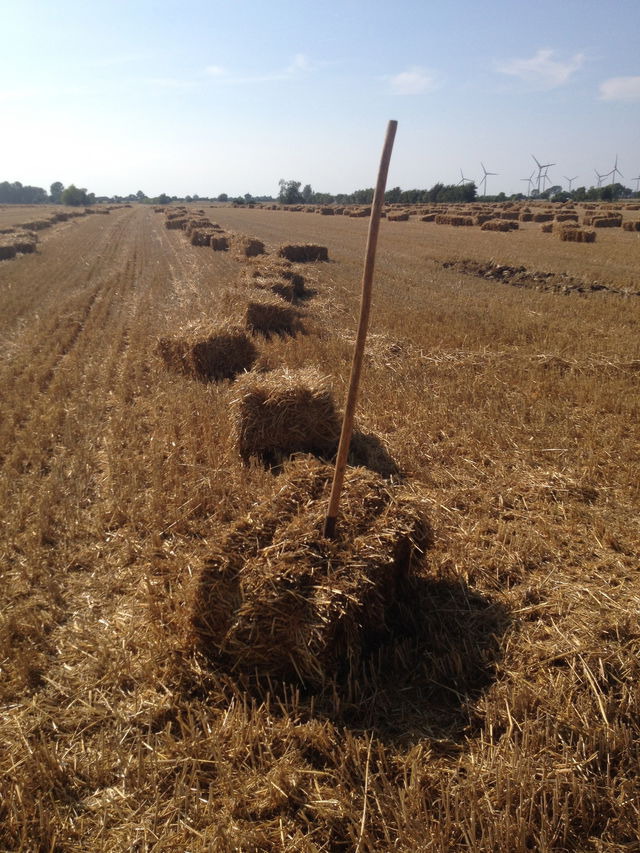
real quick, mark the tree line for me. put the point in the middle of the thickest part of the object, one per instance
(290, 192)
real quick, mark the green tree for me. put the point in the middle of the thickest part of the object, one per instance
(289, 192)
(223, 197)
(74, 196)
(307, 193)
(56, 189)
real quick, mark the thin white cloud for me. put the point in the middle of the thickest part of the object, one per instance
(413, 81)
(168, 82)
(620, 89)
(299, 64)
(542, 70)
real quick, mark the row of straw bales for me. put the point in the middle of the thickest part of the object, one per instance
(275, 599)
(23, 239)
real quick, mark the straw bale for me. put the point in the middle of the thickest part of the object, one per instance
(611, 221)
(219, 243)
(197, 224)
(279, 600)
(543, 217)
(285, 411)
(245, 246)
(400, 216)
(499, 225)
(546, 227)
(326, 211)
(202, 236)
(271, 315)
(7, 251)
(632, 226)
(449, 219)
(577, 235)
(25, 242)
(175, 223)
(303, 253)
(209, 354)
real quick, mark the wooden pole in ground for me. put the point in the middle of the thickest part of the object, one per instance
(365, 307)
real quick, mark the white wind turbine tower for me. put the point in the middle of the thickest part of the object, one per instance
(637, 180)
(529, 181)
(600, 177)
(571, 180)
(540, 176)
(614, 171)
(483, 182)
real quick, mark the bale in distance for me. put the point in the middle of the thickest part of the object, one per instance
(279, 600)
(577, 235)
(632, 226)
(283, 412)
(499, 225)
(303, 253)
(209, 354)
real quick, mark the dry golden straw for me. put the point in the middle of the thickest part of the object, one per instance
(278, 598)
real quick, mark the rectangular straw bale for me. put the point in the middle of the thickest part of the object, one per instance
(7, 250)
(219, 242)
(268, 315)
(277, 598)
(208, 354)
(577, 235)
(303, 253)
(25, 242)
(285, 411)
(246, 247)
(499, 225)
(632, 226)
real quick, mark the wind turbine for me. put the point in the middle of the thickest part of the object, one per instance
(571, 180)
(600, 177)
(637, 180)
(483, 182)
(614, 171)
(464, 180)
(544, 177)
(529, 181)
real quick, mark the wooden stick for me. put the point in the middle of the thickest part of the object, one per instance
(358, 355)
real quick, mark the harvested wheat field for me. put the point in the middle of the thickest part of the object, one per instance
(462, 668)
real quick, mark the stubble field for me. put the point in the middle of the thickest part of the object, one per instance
(508, 720)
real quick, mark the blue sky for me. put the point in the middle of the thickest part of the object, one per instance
(209, 97)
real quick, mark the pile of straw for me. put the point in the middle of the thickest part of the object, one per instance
(632, 226)
(283, 412)
(267, 315)
(400, 216)
(278, 599)
(303, 253)
(209, 354)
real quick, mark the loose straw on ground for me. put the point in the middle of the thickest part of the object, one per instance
(365, 307)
